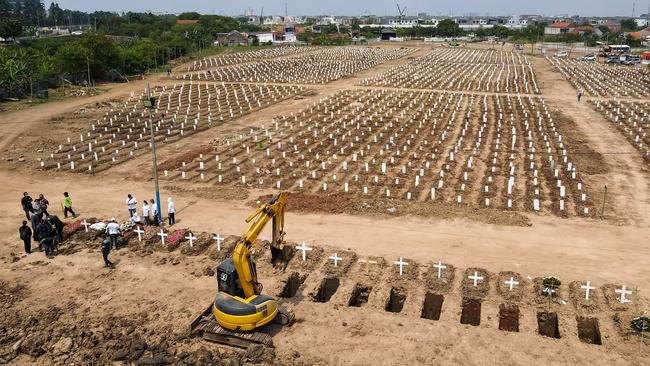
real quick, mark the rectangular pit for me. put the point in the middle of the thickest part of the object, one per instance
(432, 306)
(360, 295)
(292, 285)
(509, 317)
(327, 289)
(547, 324)
(396, 300)
(471, 313)
(589, 330)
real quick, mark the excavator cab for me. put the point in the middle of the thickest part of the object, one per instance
(228, 279)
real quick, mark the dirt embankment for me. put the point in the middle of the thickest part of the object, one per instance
(345, 204)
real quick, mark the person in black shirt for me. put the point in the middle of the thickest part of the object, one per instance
(26, 202)
(106, 250)
(26, 235)
(46, 235)
(44, 203)
(58, 227)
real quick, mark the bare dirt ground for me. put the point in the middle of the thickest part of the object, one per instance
(71, 310)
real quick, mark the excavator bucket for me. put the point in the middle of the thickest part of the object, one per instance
(280, 256)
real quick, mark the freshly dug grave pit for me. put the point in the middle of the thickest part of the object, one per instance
(471, 313)
(509, 317)
(589, 330)
(432, 306)
(396, 300)
(292, 285)
(360, 295)
(547, 324)
(327, 289)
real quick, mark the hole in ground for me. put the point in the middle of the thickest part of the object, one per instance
(432, 306)
(360, 295)
(396, 300)
(588, 330)
(471, 313)
(547, 324)
(292, 285)
(327, 289)
(509, 317)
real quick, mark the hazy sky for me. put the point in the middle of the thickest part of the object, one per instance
(377, 7)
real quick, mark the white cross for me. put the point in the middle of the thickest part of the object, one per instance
(85, 224)
(219, 239)
(191, 238)
(588, 287)
(304, 248)
(475, 278)
(401, 265)
(336, 259)
(440, 267)
(139, 232)
(511, 283)
(623, 291)
(162, 236)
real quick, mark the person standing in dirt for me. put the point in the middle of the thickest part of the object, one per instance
(26, 202)
(46, 235)
(58, 227)
(44, 204)
(67, 205)
(106, 250)
(171, 211)
(146, 212)
(113, 231)
(26, 235)
(154, 212)
(579, 95)
(35, 221)
(37, 209)
(131, 203)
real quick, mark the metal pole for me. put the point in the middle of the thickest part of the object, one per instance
(602, 212)
(153, 157)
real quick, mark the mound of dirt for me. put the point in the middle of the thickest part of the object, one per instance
(446, 280)
(482, 287)
(517, 292)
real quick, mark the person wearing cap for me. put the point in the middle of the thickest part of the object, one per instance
(106, 250)
(113, 231)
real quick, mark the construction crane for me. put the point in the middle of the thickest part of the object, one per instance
(239, 308)
(401, 11)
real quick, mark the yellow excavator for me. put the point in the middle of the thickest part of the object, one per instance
(239, 308)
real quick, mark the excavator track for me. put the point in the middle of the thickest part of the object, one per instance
(211, 331)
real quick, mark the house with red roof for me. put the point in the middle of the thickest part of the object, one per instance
(559, 28)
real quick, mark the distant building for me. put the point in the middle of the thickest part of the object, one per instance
(233, 38)
(388, 33)
(581, 30)
(559, 28)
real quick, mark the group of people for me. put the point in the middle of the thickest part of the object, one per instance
(46, 229)
(150, 211)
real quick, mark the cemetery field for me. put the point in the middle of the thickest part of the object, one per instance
(477, 163)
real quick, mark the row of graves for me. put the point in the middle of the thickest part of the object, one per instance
(318, 67)
(632, 119)
(597, 313)
(181, 110)
(605, 80)
(464, 70)
(247, 56)
(500, 152)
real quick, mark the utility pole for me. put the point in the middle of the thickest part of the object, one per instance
(150, 103)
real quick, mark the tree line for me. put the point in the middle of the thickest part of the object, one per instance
(112, 46)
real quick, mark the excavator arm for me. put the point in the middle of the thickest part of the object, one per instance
(271, 210)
